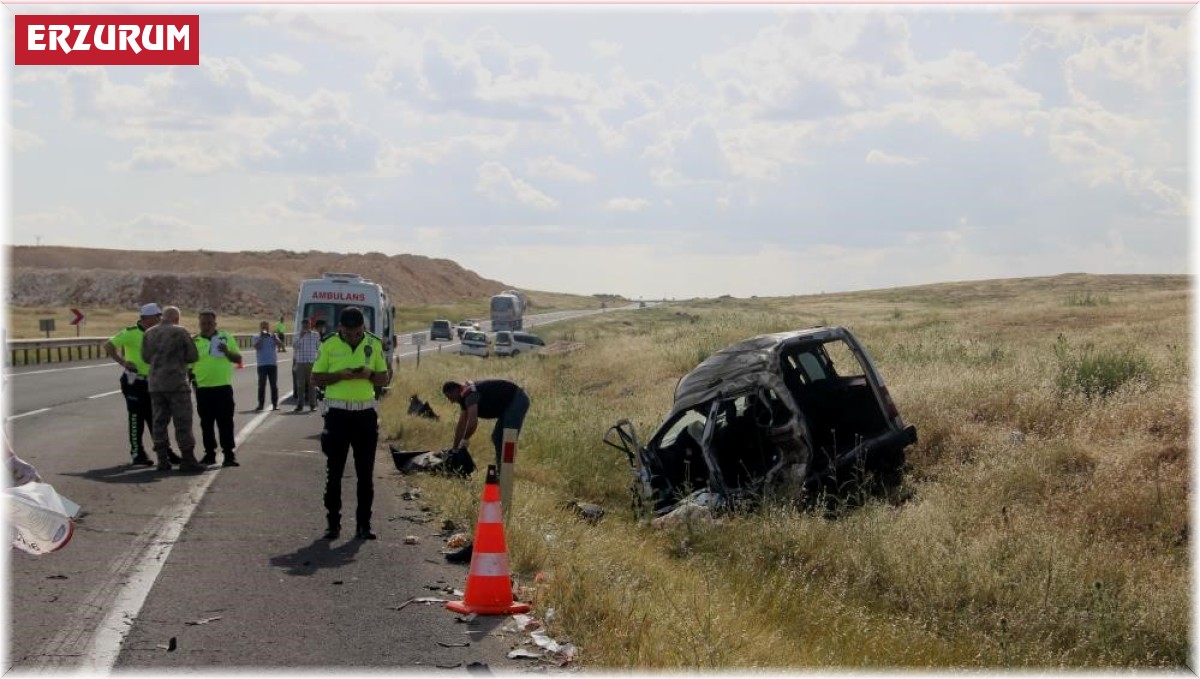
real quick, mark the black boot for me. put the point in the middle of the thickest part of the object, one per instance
(461, 556)
(334, 530)
(364, 533)
(230, 461)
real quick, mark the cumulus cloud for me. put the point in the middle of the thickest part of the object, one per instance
(605, 49)
(550, 167)
(762, 130)
(626, 204)
(877, 157)
(24, 140)
(338, 199)
(498, 183)
(281, 63)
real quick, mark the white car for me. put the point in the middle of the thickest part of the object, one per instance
(475, 343)
(512, 343)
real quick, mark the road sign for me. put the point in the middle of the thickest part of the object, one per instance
(78, 316)
(46, 325)
(418, 338)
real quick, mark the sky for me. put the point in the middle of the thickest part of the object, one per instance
(669, 151)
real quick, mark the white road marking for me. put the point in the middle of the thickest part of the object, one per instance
(31, 412)
(129, 581)
(108, 364)
(107, 393)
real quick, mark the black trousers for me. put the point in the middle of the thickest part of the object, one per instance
(137, 403)
(268, 372)
(215, 407)
(346, 429)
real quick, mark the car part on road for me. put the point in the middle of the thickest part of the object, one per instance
(453, 462)
(420, 408)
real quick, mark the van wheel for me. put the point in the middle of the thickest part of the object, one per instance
(515, 353)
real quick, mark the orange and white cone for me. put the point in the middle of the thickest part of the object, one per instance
(489, 589)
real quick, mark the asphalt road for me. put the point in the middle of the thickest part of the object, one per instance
(236, 550)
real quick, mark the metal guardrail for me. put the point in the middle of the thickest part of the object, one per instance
(63, 350)
(38, 351)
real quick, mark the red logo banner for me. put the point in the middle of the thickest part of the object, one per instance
(107, 40)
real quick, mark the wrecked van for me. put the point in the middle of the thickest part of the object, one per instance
(798, 415)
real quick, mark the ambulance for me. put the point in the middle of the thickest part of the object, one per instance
(324, 298)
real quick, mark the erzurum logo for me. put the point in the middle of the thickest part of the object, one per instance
(107, 40)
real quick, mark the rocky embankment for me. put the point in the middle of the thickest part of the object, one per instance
(238, 283)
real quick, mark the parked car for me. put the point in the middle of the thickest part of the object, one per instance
(800, 415)
(513, 343)
(465, 326)
(441, 330)
(475, 343)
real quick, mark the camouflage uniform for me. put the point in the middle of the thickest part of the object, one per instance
(169, 349)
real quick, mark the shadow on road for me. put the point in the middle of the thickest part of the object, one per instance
(121, 473)
(310, 558)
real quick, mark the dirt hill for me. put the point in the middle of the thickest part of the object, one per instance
(241, 283)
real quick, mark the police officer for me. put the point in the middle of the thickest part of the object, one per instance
(212, 376)
(125, 348)
(349, 366)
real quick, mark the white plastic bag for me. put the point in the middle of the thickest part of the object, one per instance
(42, 521)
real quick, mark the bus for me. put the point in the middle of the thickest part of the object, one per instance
(508, 310)
(324, 298)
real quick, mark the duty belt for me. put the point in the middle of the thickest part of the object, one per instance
(351, 405)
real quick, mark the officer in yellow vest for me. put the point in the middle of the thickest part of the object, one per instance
(212, 376)
(125, 348)
(349, 366)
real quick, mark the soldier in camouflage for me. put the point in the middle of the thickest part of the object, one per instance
(168, 348)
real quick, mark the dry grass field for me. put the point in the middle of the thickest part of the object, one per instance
(1048, 521)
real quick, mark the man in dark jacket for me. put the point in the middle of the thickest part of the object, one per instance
(503, 401)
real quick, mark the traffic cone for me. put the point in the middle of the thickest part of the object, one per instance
(489, 590)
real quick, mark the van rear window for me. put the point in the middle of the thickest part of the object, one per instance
(329, 312)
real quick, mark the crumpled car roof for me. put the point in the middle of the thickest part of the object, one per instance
(743, 366)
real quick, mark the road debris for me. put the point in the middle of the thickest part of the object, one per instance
(524, 653)
(426, 600)
(457, 541)
(56, 577)
(446, 644)
(171, 645)
(411, 540)
(420, 408)
(592, 513)
(202, 621)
